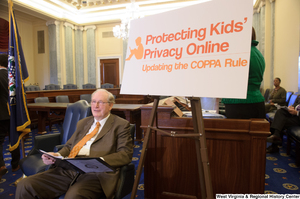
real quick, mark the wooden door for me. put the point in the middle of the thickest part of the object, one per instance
(109, 71)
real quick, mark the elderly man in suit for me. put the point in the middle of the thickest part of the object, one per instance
(284, 117)
(110, 140)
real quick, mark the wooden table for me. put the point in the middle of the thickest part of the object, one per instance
(130, 112)
(236, 153)
(74, 95)
(47, 110)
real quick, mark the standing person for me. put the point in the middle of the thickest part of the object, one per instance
(109, 139)
(5, 118)
(253, 106)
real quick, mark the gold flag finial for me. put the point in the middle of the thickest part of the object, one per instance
(10, 5)
(10, 2)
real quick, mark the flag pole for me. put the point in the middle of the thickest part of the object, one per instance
(10, 4)
(17, 97)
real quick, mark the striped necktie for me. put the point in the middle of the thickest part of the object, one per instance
(82, 142)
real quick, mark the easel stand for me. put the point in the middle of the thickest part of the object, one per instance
(201, 149)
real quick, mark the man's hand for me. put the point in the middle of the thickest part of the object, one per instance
(49, 160)
(292, 110)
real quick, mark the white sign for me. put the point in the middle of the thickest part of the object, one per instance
(201, 50)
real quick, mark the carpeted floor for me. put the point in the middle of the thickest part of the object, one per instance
(282, 176)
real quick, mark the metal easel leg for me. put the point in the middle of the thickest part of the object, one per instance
(201, 150)
(145, 147)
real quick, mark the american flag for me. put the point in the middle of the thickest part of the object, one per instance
(17, 75)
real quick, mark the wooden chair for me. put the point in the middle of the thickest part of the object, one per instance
(62, 99)
(86, 97)
(32, 88)
(88, 86)
(52, 87)
(107, 85)
(70, 86)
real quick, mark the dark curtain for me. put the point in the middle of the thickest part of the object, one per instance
(4, 34)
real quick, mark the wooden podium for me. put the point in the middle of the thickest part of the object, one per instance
(236, 152)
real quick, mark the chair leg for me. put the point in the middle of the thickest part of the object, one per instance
(288, 144)
(297, 154)
(23, 147)
(18, 180)
(50, 125)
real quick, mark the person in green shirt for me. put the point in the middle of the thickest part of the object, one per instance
(253, 106)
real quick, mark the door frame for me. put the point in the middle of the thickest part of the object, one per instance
(98, 76)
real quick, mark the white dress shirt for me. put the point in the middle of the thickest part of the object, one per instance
(85, 150)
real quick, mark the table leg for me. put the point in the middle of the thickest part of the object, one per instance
(134, 118)
(42, 115)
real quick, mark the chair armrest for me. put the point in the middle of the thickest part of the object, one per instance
(58, 147)
(294, 131)
(45, 142)
(126, 180)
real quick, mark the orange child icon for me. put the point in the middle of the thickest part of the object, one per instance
(137, 52)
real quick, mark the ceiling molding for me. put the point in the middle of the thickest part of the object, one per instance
(90, 27)
(99, 13)
(78, 28)
(66, 24)
(52, 22)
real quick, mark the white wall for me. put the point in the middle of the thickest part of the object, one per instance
(37, 64)
(111, 47)
(267, 82)
(287, 24)
(41, 72)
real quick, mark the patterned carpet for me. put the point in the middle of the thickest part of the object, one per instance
(282, 176)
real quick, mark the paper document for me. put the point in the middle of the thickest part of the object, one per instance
(46, 153)
(84, 165)
(284, 107)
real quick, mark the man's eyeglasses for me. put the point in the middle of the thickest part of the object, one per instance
(99, 102)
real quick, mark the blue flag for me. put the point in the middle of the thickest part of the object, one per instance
(17, 75)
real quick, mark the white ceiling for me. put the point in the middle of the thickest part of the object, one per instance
(92, 11)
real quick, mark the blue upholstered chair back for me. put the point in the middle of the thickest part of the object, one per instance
(266, 95)
(32, 88)
(70, 86)
(62, 99)
(52, 87)
(292, 100)
(33, 163)
(41, 100)
(86, 97)
(107, 85)
(288, 96)
(88, 85)
(74, 113)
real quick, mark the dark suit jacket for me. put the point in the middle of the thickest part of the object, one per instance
(297, 101)
(4, 115)
(114, 144)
